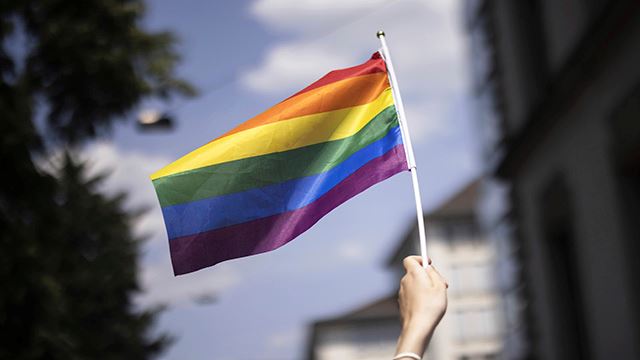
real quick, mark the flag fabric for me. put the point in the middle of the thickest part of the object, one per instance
(268, 180)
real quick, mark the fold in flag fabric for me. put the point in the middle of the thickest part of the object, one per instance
(268, 180)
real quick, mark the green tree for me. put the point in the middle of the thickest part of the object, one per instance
(68, 258)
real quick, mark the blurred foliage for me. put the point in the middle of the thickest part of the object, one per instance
(68, 257)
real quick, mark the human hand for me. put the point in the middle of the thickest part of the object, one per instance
(423, 302)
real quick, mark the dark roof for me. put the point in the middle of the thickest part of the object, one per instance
(382, 310)
(460, 204)
(386, 306)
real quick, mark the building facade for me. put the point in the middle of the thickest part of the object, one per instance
(557, 84)
(472, 327)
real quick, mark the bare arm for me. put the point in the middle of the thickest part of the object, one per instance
(423, 302)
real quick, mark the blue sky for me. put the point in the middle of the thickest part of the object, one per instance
(245, 56)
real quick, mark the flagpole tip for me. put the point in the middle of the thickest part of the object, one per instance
(380, 33)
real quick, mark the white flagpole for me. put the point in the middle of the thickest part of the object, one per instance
(411, 161)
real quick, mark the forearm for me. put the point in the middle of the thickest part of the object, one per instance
(414, 339)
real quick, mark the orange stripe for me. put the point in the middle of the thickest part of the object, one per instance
(346, 93)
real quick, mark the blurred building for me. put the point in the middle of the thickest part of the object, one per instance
(557, 84)
(471, 329)
(368, 333)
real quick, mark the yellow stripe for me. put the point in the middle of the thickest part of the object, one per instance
(281, 136)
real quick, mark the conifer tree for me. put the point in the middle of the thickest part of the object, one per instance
(68, 257)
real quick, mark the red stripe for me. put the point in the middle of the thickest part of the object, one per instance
(194, 252)
(373, 65)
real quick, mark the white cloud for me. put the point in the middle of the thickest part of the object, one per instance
(127, 170)
(352, 252)
(289, 65)
(425, 38)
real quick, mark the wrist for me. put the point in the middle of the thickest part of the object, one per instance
(414, 338)
(418, 328)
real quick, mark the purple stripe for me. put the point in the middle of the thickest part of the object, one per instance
(194, 252)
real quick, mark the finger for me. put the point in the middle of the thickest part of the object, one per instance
(412, 263)
(436, 277)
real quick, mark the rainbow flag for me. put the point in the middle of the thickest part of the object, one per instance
(265, 182)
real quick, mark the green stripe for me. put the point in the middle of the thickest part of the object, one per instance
(263, 170)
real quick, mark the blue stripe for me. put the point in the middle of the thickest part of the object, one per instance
(229, 209)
